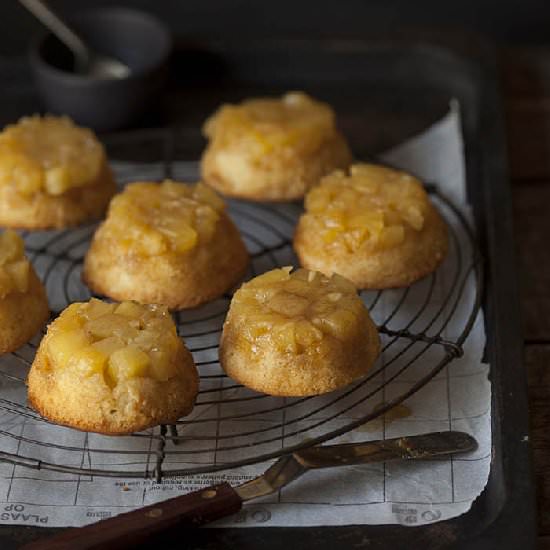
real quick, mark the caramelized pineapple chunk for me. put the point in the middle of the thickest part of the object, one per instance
(338, 322)
(204, 194)
(64, 344)
(288, 304)
(70, 319)
(273, 276)
(57, 180)
(132, 310)
(107, 325)
(260, 325)
(48, 154)
(285, 337)
(183, 239)
(153, 219)
(88, 360)
(96, 308)
(116, 341)
(109, 345)
(372, 206)
(128, 362)
(306, 333)
(297, 310)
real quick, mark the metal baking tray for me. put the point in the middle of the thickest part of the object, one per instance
(383, 93)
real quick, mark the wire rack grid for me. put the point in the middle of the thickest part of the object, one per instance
(423, 329)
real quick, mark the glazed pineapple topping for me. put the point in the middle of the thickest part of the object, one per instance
(115, 341)
(372, 206)
(295, 120)
(297, 310)
(152, 219)
(14, 267)
(48, 154)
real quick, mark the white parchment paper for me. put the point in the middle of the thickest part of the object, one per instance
(408, 493)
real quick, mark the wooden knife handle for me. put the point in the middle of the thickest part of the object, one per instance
(133, 528)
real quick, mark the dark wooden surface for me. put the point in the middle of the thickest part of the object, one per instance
(526, 86)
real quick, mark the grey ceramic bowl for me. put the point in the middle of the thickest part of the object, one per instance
(136, 38)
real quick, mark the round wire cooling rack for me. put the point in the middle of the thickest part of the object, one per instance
(422, 328)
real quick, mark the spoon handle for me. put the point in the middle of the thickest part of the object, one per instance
(58, 27)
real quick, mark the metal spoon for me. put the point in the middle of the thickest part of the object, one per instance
(87, 61)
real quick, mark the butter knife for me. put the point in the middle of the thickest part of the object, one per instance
(206, 505)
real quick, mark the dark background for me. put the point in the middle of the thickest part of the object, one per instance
(512, 21)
